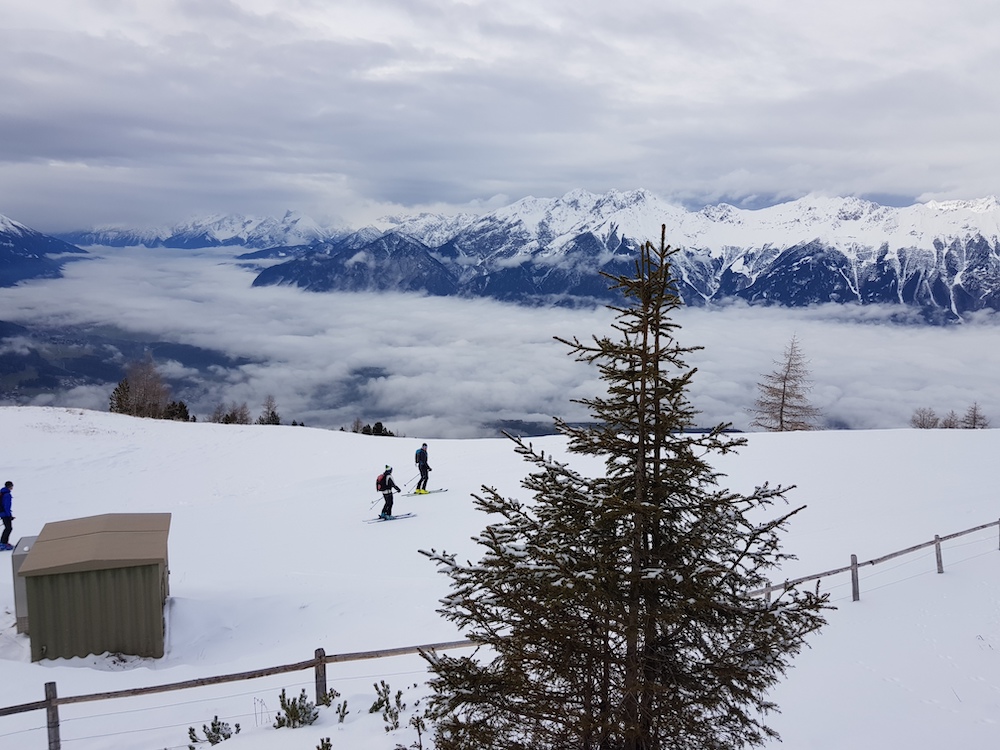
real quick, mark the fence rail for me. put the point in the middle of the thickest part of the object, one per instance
(855, 565)
(318, 663)
(52, 701)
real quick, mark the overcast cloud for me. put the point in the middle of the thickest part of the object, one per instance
(444, 367)
(154, 111)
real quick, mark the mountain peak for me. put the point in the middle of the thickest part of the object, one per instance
(980, 205)
(9, 226)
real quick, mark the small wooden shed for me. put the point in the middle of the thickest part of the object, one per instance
(98, 584)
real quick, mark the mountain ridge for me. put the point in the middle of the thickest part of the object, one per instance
(554, 219)
(216, 230)
(942, 257)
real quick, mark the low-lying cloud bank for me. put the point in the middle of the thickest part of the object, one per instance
(444, 367)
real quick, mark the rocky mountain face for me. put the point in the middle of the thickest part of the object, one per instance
(942, 258)
(27, 254)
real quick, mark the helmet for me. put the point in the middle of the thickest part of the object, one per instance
(388, 469)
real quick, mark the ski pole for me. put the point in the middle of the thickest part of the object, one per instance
(411, 479)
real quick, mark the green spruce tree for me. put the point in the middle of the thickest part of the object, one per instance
(121, 399)
(616, 609)
(177, 411)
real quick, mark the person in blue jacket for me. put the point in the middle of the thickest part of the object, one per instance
(6, 500)
(420, 459)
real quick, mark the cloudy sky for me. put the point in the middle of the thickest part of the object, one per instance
(154, 111)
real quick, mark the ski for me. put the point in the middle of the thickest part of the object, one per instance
(390, 518)
(417, 494)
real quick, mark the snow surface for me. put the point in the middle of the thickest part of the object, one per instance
(269, 560)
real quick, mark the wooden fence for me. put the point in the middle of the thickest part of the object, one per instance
(853, 567)
(50, 704)
(318, 663)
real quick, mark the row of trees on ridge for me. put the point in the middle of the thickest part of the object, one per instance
(782, 403)
(973, 419)
(144, 393)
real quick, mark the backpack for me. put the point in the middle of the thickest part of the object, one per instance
(380, 483)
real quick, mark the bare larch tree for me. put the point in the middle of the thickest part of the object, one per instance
(783, 402)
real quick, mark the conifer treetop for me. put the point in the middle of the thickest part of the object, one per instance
(615, 608)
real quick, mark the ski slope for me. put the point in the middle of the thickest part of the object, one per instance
(270, 560)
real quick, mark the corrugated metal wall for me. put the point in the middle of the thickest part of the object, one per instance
(118, 610)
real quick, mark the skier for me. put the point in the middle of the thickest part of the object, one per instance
(6, 499)
(385, 485)
(421, 461)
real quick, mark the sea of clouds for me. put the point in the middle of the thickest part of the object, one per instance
(451, 367)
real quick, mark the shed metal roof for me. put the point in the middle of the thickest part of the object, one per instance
(112, 540)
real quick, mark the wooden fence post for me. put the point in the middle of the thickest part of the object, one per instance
(855, 586)
(52, 715)
(320, 675)
(937, 553)
(767, 593)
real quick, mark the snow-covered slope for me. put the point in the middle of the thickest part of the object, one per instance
(269, 560)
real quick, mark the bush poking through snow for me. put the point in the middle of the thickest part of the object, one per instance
(214, 734)
(329, 697)
(390, 708)
(298, 713)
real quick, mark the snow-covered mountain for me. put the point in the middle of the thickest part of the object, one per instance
(26, 254)
(942, 257)
(212, 231)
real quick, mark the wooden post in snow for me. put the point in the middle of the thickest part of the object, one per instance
(937, 553)
(52, 716)
(855, 586)
(320, 675)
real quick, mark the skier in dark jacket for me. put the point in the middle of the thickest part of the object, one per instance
(6, 500)
(421, 460)
(387, 487)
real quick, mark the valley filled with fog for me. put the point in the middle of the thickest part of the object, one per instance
(450, 367)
